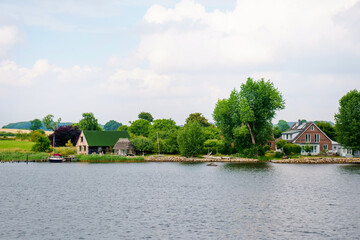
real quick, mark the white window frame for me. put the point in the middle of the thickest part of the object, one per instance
(317, 140)
(312, 128)
(326, 147)
(308, 138)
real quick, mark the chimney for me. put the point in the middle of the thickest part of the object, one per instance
(299, 122)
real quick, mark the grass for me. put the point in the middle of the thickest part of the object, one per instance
(21, 156)
(15, 145)
(107, 158)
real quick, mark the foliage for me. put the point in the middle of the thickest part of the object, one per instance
(123, 128)
(211, 132)
(21, 156)
(64, 134)
(7, 134)
(328, 129)
(266, 148)
(112, 125)
(42, 145)
(348, 120)
(95, 158)
(89, 122)
(276, 132)
(290, 149)
(280, 144)
(283, 125)
(245, 118)
(142, 144)
(35, 124)
(69, 144)
(146, 116)
(66, 151)
(22, 136)
(213, 145)
(140, 127)
(49, 122)
(279, 154)
(307, 148)
(34, 136)
(198, 117)
(16, 145)
(164, 133)
(191, 139)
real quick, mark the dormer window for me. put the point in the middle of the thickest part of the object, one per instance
(82, 139)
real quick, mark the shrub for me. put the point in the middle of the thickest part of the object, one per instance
(279, 154)
(42, 145)
(267, 148)
(290, 149)
(35, 135)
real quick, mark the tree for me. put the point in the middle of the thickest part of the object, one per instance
(198, 117)
(122, 128)
(348, 120)
(276, 132)
(247, 114)
(280, 144)
(89, 122)
(35, 135)
(142, 144)
(43, 144)
(140, 127)
(328, 129)
(146, 116)
(65, 133)
(35, 124)
(112, 125)
(283, 125)
(191, 139)
(213, 145)
(308, 149)
(164, 133)
(49, 123)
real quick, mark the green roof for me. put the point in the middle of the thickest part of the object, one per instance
(104, 138)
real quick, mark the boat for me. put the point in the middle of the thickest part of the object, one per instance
(57, 158)
(211, 164)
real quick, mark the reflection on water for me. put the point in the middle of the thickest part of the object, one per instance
(248, 167)
(350, 169)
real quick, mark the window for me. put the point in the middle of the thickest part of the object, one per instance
(84, 148)
(334, 147)
(317, 138)
(82, 139)
(314, 149)
(312, 128)
(325, 147)
(308, 138)
(79, 148)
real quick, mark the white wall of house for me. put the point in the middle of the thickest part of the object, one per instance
(82, 145)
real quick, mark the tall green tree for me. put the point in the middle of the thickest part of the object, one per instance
(198, 117)
(248, 113)
(35, 124)
(89, 122)
(348, 120)
(49, 122)
(191, 139)
(283, 125)
(112, 125)
(146, 116)
(140, 127)
(164, 133)
(142, 144)
(42, 144)
(328, 129)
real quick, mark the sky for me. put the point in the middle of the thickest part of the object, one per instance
(171, 58)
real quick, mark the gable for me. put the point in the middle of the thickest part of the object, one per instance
(301, 137)
(104, 138)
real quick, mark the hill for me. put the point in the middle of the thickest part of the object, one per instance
(26, 125)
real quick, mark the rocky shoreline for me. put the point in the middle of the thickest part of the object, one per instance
(197, 160)
(325, 160)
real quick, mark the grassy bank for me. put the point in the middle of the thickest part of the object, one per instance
(107, 158)
(16, 145)
(21, 156)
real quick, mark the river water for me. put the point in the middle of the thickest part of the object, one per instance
(179, 201)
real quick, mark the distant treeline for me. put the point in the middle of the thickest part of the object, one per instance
(26, 125)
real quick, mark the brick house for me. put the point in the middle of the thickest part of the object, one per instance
(309, 133)
(99, 142)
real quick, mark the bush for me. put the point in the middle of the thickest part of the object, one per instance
(95, 158)
(266, 148)
(279, 154)
(42, 145)
(35, 135)
(290, 149)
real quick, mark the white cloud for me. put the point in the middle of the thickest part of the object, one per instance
(9, 37)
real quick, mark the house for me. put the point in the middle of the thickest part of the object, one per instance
(99, 141)
(309, 133)
(124, 147)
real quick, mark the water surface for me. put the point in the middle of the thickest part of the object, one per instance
(179, 201)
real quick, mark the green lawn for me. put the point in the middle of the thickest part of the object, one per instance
(15, 145)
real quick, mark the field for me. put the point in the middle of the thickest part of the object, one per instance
(14, 145)
(15, 131)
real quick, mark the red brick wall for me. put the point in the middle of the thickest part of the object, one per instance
(323, 138)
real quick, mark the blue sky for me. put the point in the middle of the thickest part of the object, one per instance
(172, 58)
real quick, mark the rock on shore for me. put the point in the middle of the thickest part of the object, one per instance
(318, 160)
(157, 158)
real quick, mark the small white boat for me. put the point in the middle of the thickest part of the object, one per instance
(56, 158)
